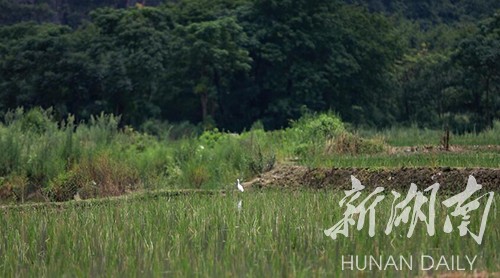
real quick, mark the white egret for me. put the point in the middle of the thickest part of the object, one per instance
(239, 186)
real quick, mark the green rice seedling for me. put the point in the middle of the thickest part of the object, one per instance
(275, 233)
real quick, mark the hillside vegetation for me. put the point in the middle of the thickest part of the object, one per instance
(229, 64)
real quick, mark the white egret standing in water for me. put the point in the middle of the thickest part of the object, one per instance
(239, 186)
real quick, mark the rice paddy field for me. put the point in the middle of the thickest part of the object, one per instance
(272, 233)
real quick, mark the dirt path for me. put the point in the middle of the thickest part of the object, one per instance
(452, 180)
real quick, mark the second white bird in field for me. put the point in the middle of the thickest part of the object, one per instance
(239, 186)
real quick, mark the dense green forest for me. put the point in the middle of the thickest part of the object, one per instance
(231, 63)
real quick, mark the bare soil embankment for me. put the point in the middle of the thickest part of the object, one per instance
(452, 180)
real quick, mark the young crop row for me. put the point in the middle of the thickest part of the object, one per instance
(271, 233)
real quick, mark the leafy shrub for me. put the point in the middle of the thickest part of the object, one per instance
(318, 126)
(210, 137)
(317, 135)
(64, 186)
(36, 120)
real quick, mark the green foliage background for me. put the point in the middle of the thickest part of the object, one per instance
(230, 63)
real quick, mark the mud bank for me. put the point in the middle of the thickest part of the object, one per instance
(452, 180)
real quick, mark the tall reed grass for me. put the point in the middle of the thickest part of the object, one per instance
(44, 159)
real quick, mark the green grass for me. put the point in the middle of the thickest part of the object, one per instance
(276, 234)
(97, 158)
(468, 159)
(43, 159)
(412, 136)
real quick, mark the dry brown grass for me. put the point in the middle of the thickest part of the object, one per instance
(101, 176)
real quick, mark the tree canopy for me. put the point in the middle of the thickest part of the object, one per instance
(230, 63)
